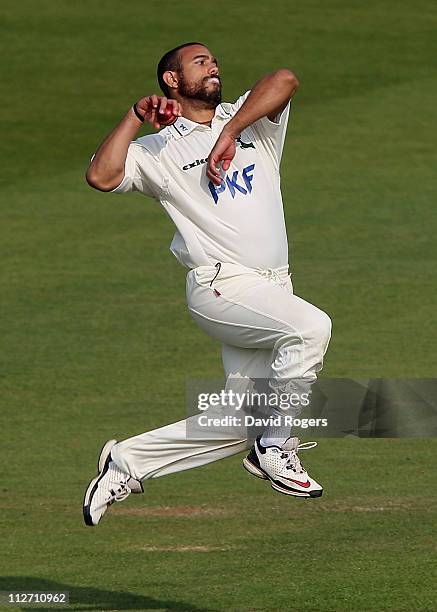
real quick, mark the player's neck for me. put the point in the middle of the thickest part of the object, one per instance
(197, 112)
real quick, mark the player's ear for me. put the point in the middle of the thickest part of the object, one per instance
(170, 78)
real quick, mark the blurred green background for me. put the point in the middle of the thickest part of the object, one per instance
(97, 342)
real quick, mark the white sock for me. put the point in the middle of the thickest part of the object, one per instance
(275, 436)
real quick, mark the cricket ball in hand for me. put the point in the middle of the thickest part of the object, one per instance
(166, 117)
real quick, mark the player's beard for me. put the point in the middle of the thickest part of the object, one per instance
(199, 91)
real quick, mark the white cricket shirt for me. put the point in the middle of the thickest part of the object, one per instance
(240, 221)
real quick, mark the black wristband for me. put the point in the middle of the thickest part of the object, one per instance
(138, 114)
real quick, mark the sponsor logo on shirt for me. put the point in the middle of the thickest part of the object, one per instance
(199, 162)
(195, 163)
(237, 183)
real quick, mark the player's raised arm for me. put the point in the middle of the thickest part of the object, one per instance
(268, 97)
(106, 170)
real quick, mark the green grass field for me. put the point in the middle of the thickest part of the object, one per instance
(97, 342)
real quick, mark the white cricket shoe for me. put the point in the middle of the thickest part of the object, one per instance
(110, 485)
(282, 466)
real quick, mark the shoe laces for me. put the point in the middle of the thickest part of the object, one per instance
(119, 492)
(292, 459)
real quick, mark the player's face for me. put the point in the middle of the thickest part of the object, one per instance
(199, 76)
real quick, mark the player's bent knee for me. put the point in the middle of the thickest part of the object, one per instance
(325, 332)
(320, 330)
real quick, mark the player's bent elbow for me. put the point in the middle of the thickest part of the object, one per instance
(288, 77)
(96, 182)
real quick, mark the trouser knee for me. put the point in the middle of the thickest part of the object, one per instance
(308, 347)
(320, 332)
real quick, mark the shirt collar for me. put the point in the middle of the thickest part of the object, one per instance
(184, 126)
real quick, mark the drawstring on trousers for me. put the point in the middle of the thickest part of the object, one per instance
(275, 275)
(218, 265)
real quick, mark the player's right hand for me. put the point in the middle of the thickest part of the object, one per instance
(150, 106)
(223, 152)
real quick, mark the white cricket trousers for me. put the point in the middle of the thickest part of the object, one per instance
(266, 332)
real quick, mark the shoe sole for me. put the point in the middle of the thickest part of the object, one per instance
(252, 469)
(102, 466)
(256, 471)
(294, 493)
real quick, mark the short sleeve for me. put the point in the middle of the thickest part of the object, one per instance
(271, 133)
(142, 172)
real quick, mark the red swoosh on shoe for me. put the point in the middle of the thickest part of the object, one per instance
(298, 482)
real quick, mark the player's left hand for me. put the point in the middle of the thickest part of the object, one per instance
(223, 151)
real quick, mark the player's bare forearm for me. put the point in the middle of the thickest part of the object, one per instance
(268, 97)
(106, 170)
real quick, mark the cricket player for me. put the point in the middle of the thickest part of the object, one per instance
(215, 171)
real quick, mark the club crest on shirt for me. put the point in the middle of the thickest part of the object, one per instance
(244, 145)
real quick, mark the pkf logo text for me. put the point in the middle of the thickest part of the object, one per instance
(232, 184)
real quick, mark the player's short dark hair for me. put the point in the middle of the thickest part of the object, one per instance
(171, 61)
